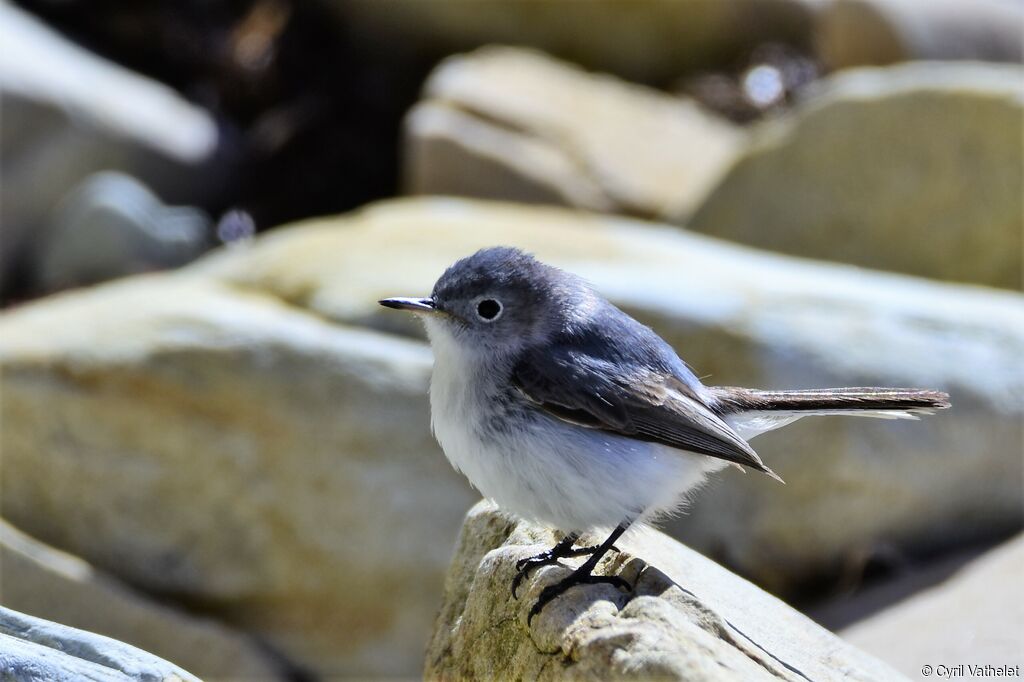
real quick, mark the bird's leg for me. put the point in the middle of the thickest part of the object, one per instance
(563, 550)
(583, 575)
(545, 558)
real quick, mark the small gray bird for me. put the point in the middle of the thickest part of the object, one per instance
(563, 409)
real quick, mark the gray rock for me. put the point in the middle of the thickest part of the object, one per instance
(225, 436)
(58, 587)
(916, 168)
(36, 650)
(505, 123)
(739, 317)
(111, 225)
(217, 447)
(866, 32)
(686, 619)
(68, 114)
(975, 617)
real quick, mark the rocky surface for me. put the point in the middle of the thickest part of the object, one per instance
(975, 617)
(862, 32)
(916, 168)
(739, 317)
(111, 225)
(216, 447)
(685, 619)
(655, 45)
(36, 650)
(46, 583)
(225, 436)
(56, 130)
(514, 124)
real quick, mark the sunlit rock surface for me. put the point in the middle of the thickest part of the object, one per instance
(228, 437)
(739, 317)
(976, 617)
(916, 168)
(36, 650)
(503, 123)
(217, 447)
(686, 619)
(41, 581)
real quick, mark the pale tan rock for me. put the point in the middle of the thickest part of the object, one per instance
(975, 617)
(220, 448)
(739, 317)
(452, 151)
(506, 123)
(915, 168)
(851, 33)
(686, 619)
(55, 586)
(225, 437)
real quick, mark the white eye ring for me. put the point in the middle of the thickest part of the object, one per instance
(489, 309)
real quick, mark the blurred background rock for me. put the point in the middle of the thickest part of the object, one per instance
(237, 452)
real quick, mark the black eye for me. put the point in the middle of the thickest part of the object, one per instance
(488, 309)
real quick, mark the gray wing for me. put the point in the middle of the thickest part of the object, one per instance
(633, 401)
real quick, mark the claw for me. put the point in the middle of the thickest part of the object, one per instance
(551, 592)
(547, 558)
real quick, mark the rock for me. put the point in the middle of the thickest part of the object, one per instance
(36, 650)
(656, 45)
(58, 587)
(57, 129)
(513, 124)
(915, 168)
(864, 32)
(686, 619)
(975, 617)
(111, 225)
(218, 436)
(740, 317)
(219, 449)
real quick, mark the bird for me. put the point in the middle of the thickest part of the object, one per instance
(563, 409)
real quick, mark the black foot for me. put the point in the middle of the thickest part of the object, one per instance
(547, 558)
(578, 577)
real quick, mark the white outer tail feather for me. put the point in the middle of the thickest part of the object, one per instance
(751, 424)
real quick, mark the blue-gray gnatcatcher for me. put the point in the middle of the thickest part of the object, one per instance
(563, 409)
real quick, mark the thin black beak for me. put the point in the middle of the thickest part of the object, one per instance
(416, 305)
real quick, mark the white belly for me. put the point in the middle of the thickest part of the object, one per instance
(567, 476)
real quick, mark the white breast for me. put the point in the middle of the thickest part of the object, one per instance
(565, 475)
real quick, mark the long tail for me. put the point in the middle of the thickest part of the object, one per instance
(752, 412)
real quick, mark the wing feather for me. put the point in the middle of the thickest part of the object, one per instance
(637, 402)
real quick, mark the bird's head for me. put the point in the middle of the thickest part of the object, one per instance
(497, 301)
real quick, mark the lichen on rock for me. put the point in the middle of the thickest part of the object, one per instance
(685, 619)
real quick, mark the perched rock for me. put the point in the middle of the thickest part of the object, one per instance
(36, 650)
(657, 44)
(68, 114)
(111, 225)
(739, 317)
(916, 168)
(223, 436)
(864, 32)
(975, 617)
(686, 618)
(505, 123)
(219, 448)
(50, 584)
